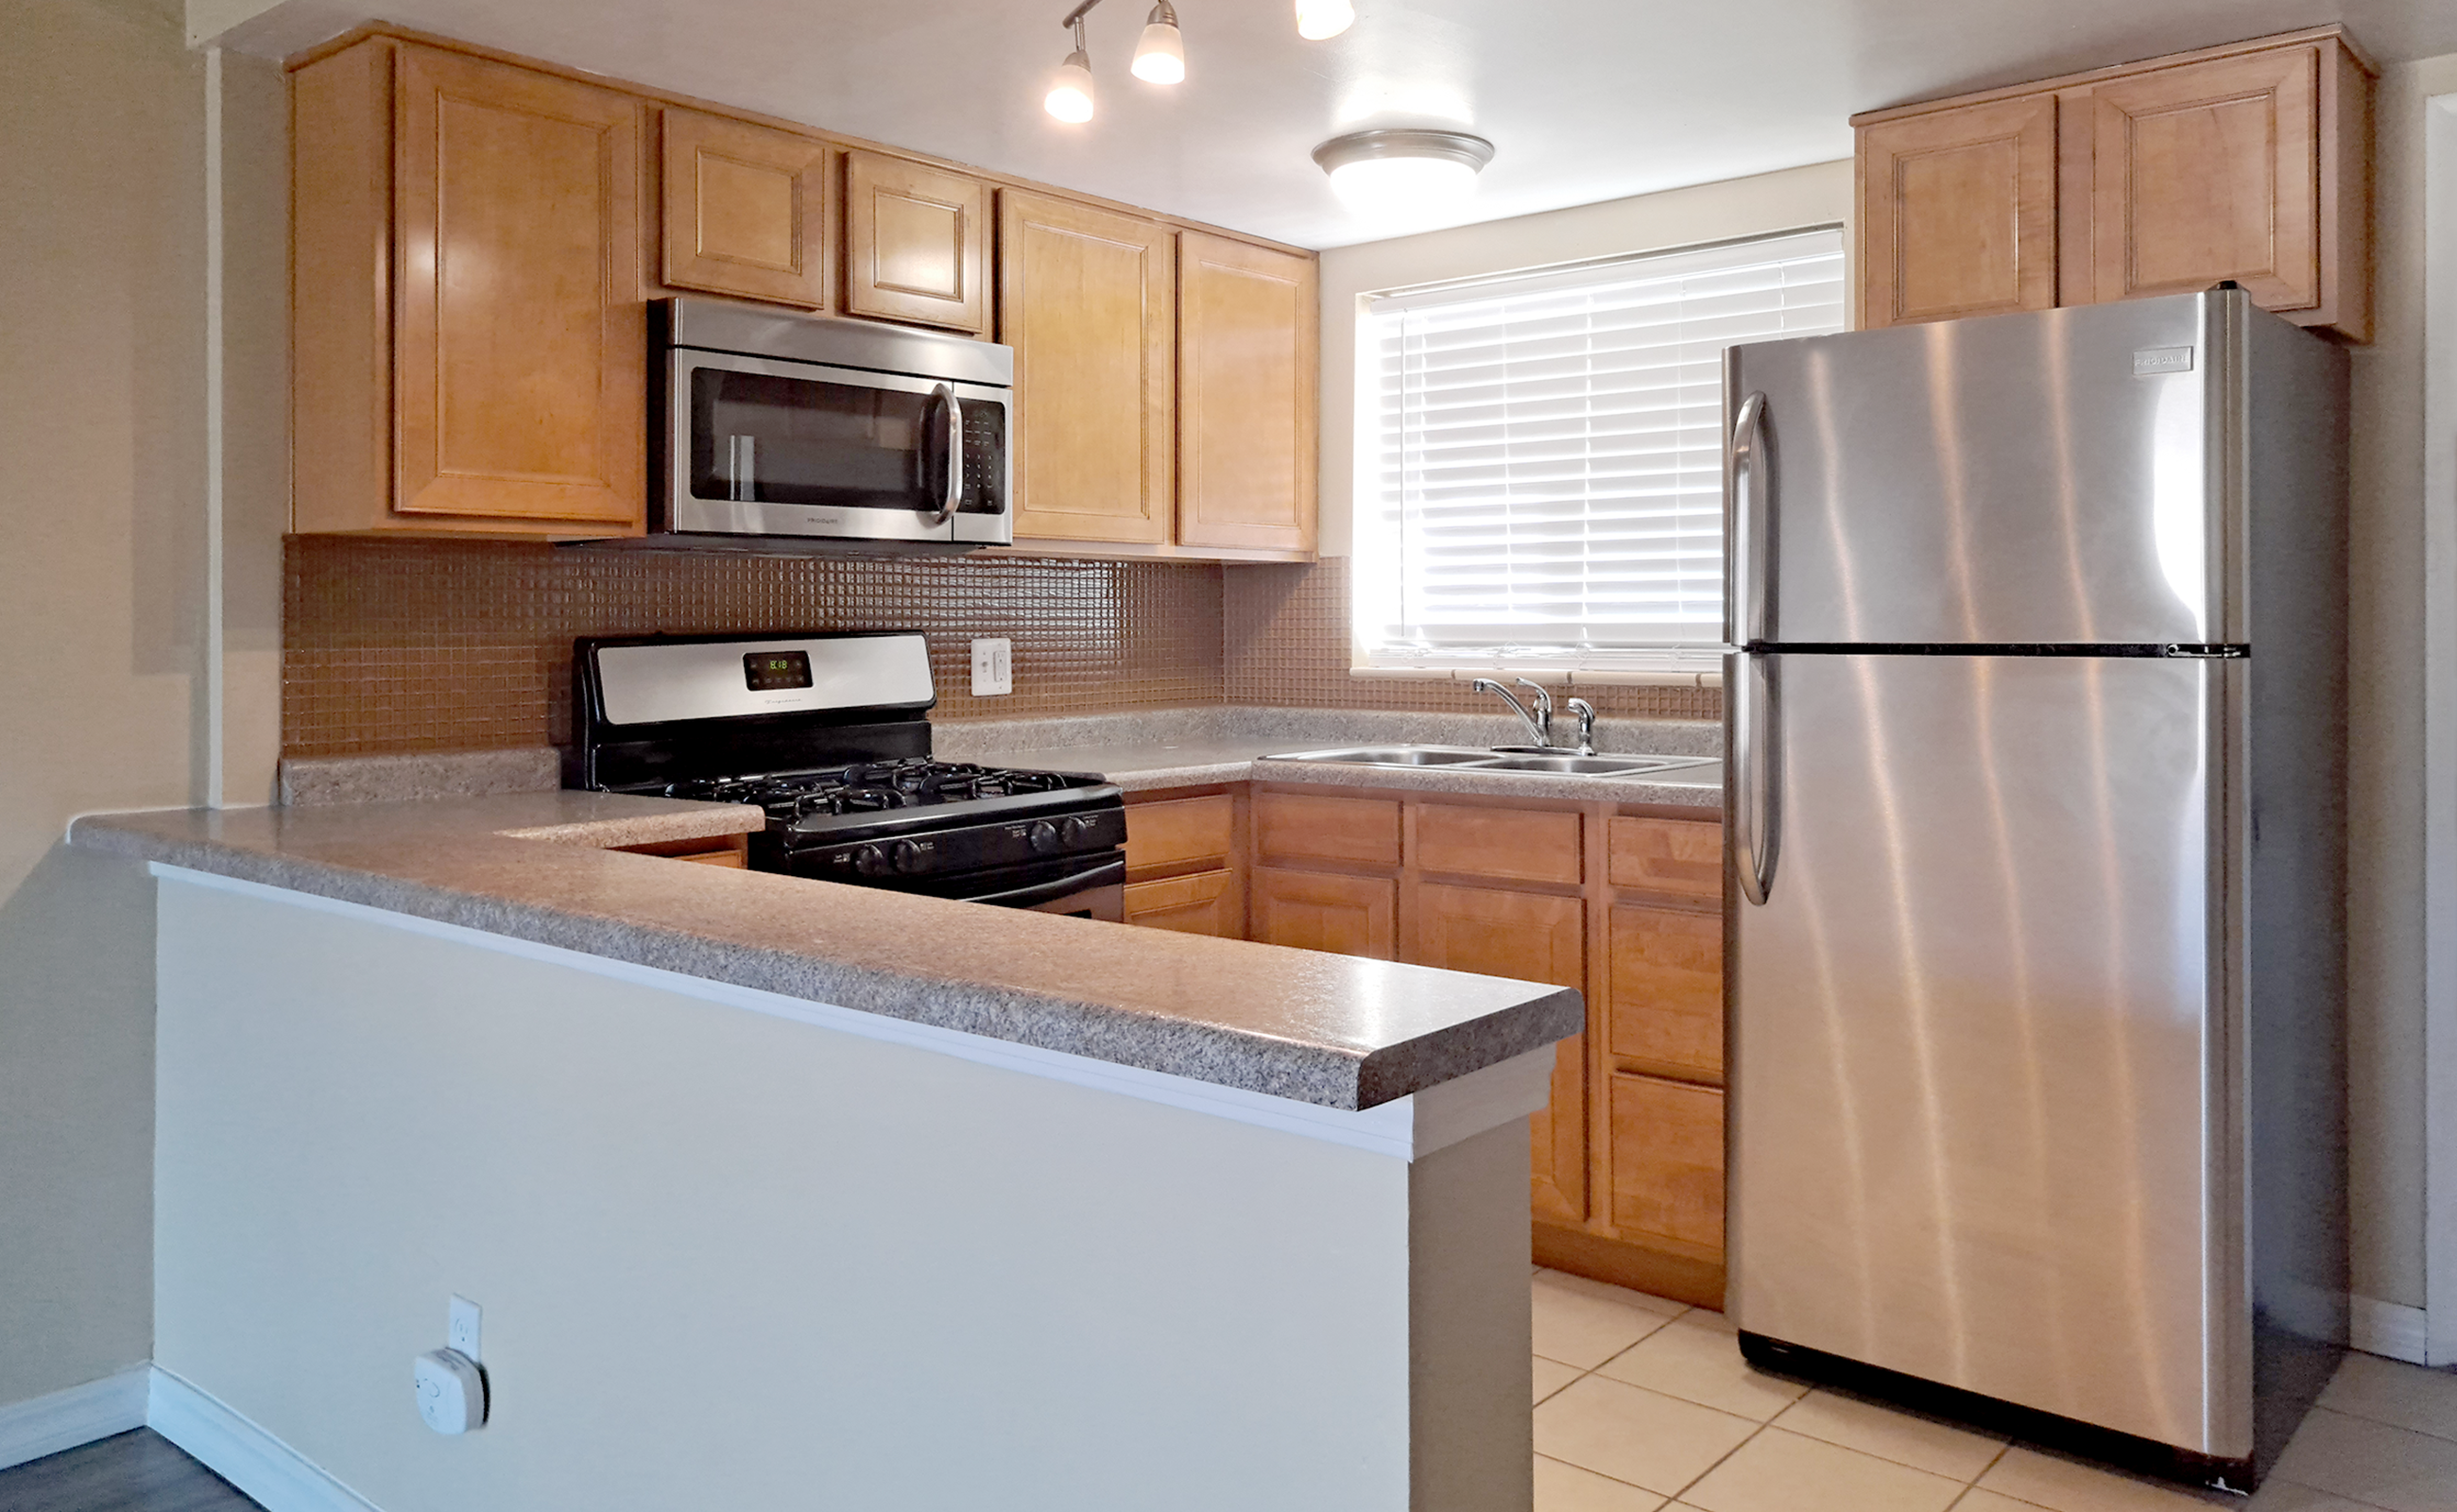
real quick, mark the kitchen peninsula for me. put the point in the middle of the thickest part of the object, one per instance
(772, 1185)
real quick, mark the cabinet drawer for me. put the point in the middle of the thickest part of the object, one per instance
(1204, 903)
(1352, 832)
(1667, 989)
(1668, 1160)
(1512, 843)
(1179, 833)
(1348, 916)
(1684, 858)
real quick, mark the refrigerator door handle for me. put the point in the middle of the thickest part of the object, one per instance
(1752, 579)
(1755, 688)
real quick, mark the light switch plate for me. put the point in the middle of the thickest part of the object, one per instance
(993, 667)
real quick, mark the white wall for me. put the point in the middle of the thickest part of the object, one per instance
(1796, 197)
(112, 467)
(2385, 648)
(730, 1259)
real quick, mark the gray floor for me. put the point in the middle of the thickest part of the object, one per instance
(140, 1471)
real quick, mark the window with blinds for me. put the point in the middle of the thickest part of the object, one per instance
(1541, 481)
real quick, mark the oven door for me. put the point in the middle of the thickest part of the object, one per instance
(1092, 888)
(760, 447)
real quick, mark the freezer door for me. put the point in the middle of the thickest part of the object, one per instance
(1981, 1120)
(2018, 480)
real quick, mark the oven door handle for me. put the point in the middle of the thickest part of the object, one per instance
(1108, 874)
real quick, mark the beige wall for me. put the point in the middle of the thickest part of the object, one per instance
(2385, 663)
(1794, 198)
(102, 520)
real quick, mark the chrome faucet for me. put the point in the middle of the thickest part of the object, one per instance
(1586, 712)
(1540, 724)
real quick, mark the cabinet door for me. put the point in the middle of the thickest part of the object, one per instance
(1516, 845)
(1533, 937)
(1245, 365)
(1681, 856)
(1958, 212)
(1348, 916)
(913, 243)
(2202, 173)
(1667, 989)
(746, 210)
(1342, 832)
(1667, 1163)
(1087, 298)
(521, 338)
(1202, 903)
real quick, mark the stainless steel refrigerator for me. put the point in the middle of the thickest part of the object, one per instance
(2033, 900)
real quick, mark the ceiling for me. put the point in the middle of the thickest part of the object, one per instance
(1584, 100)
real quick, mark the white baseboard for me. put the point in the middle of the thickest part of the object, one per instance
(241, 1453)
(64, 1419)
(2385, 1328)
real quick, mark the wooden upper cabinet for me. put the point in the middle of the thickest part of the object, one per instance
(2187, 176)
(520, 343)
(914, 243)
(2250, 162)
(1088, 298)
(1958, 212)
(746, 210)
(1246, 376)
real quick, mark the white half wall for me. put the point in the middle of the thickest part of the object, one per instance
(731, 1259)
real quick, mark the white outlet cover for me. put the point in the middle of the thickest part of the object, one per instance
(993, 667)
(461, 1326)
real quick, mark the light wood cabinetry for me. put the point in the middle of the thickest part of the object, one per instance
(916, 240)
(470, 336)
(1338, 831)
(1185, 863)
(1667, 1166)
(746, 210)
(1958, 212)
(1345, 915)
(2250, 162)
(476, 236)
(1086, 298)
(1245, 378)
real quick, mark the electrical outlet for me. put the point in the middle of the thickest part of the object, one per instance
(993, 667)
(460, 1329)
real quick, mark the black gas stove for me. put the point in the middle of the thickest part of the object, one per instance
(827, 733)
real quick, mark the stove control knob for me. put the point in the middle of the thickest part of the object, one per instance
(1042, 837)
(911, 858)
(1079, 831)
(870, 861)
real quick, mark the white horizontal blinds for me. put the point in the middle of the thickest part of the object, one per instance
(1548, 459)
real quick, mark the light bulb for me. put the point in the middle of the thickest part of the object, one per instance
(1159, 57)
(1398, 188)
(1317, 19)
(1070, 89)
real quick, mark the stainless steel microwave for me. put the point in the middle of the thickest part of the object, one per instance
(782, 431)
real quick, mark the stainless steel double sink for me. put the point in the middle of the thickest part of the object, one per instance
(1550, 762)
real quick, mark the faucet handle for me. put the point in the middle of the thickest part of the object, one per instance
(1544, 699)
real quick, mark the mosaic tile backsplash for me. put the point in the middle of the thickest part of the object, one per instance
(464, 645)
(467, 644)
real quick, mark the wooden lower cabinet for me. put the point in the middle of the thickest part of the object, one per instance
(1202, 903)
(1348, 916)
(1667, 1162)
(1663, 998)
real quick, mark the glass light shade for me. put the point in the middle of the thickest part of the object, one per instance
(1070, 90)
(1317, 19)
(1160, 56)
(1394, 188)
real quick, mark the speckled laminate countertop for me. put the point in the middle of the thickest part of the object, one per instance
(1333, 1031)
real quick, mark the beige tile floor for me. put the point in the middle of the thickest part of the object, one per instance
(1644, 1405)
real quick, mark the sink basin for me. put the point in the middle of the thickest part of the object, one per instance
(1503, 760)
(1396, 755)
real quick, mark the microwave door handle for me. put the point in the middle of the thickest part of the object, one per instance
(953, 493)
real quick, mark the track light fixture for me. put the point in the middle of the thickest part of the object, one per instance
(1159, 57)
(1317, 19)
(1070, 88)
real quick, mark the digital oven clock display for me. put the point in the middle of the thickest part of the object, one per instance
(768, 670)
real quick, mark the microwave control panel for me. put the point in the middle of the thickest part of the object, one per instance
(984, 459)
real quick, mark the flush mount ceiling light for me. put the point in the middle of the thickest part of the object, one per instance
(1317, 19)
(1402, 170)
